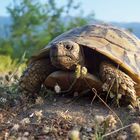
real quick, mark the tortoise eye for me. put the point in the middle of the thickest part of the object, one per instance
(68, 47)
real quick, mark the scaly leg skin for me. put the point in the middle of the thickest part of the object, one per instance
(34, 76)
(117, 82)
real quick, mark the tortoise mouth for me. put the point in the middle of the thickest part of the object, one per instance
(57, 57)
(63, 61)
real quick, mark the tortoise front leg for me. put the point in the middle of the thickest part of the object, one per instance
(117, 81)
(34, 76)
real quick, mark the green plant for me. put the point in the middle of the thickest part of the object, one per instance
(10, 71)
(104, 125)
(8, 64)
(8, 89)
(35, 23)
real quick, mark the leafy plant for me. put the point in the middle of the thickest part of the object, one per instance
(8, 64)
(35, 24)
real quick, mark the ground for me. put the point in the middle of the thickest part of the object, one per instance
(57, 117)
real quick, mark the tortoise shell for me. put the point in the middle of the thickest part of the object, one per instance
(119, 45)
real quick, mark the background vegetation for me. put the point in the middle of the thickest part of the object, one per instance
(34, 25)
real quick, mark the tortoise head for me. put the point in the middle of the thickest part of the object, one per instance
(66, 54)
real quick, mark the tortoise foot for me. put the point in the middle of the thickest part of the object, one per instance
(34, 76)
(117, 82)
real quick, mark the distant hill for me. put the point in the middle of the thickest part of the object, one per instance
(5, 22)
(135, 26)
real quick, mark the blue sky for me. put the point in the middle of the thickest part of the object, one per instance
(107, 10)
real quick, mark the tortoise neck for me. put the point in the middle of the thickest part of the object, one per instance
(81, 57)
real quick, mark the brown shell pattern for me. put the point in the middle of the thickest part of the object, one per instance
(117, 44)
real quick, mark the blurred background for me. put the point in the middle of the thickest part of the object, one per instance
(26, 26)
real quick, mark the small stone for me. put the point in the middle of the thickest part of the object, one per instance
(89, 129)
(3, 100)
(74, 135)
(6, 135)
(26, 134)
(57, 88)
(31, 115)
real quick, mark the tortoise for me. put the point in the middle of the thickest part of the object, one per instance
(111, 56)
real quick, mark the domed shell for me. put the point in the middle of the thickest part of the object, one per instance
(117, 44)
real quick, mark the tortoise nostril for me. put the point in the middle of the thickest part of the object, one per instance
(68, 47)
